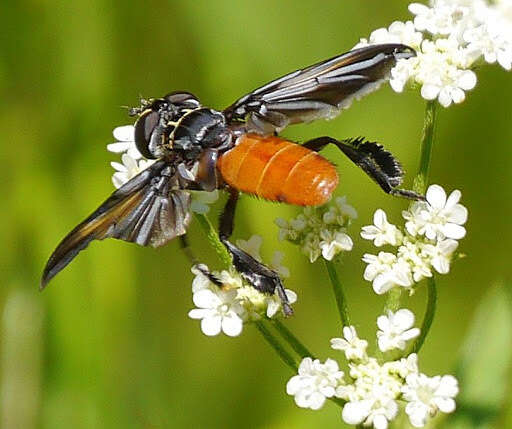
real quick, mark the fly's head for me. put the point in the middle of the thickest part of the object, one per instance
(157, 118)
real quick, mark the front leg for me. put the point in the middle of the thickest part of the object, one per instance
(374, 160)
(254, 272)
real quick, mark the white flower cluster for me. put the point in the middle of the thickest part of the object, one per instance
(374, 391)
(427, 243)
(450, 37)
(320, 230)
(226, 309)
(132, 163)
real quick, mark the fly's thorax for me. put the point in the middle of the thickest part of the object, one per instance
(200, 129)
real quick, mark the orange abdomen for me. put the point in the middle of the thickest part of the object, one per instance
(278, 170)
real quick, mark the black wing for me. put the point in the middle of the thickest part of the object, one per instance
(318, 91)
(149, 210)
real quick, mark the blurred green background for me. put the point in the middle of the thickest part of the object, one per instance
(109, 343)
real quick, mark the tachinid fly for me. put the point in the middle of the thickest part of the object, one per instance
(238, 150)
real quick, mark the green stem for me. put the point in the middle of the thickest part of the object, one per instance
(292, 340)
(213, 238)
(427, 142)
(285, 356)
(429, 315)
(276, 345)
(393, 299)
(338, 293)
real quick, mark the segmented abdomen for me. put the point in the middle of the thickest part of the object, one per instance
(278, 170)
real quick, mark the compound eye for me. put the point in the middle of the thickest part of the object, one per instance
(144, 127)
(183, 99)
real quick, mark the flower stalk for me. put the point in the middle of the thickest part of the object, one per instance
(338, 293)
(292, 340)
(213, 238)
(273, 342)
(429, 315)
(427, 143)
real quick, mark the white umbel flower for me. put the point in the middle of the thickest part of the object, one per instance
(428, 395)
(443, 19)
(251, 246)
(381, 232)
(125, 136)
(333, 243)
(441, 254)
(396, 329)
(439, 217)
(128, 169)
(353, 347)
(370, 412)
(386, 271)
(451, 37)
(218, 311)
(427, 244)
(320, 231)
(314, 383)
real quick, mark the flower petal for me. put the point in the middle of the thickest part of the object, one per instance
(125, 133)
(211, 326)
(232, 325)
(436, 196)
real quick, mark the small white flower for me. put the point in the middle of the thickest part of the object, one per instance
(129, 168)
(200, 280)
(427, 395)
(441, 254)
(439, 73)
(395, 329)
(404, 366)
(353, 347)
(386, 271)
(251, 246)
(201, 200)
(218, 311)
(383, 411)
(125, 136)
(412, 252)
(333, 243)
(355, 412)
(382, 232)
(314, 383)
(397, 32)
(372, 396)
(492, 41)
(320, 231)
(230, 279)
(274, 303)
(443, 19)
(439, 217)
(276, 265)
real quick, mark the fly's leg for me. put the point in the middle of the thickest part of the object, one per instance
(196, 264)
(255, 273)
(373, 159)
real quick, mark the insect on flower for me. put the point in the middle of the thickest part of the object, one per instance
(238, 150)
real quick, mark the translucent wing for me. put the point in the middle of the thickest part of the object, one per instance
(318, 91)
(149, 210)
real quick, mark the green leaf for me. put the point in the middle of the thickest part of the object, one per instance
(485, 363)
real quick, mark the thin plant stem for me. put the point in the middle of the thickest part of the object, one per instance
(420, 182)
(427, 142)
(429, 315)
(338, 293)
(286, 357)
(213, 238)
(292, 340)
